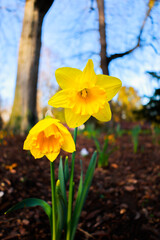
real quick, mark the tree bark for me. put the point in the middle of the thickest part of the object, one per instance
(24, 114)
(103, 42)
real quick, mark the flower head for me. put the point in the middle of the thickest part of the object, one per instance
(84, 94)
(47, 137)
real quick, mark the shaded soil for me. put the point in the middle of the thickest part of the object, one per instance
(123, 201)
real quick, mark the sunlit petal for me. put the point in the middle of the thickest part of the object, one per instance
(36, 153)
(110, 84)
(51, 130)
(68, 77)
(29, 141)
(60, 99)
(52, 156)
(68, 144)
(74, 120)
(104, 114)
(62, 129)
(88, 78)
(42, 124)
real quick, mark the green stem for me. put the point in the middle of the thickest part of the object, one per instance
(53, 226)
(70, 197)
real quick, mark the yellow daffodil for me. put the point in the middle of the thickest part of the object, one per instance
(84, 94)
(47, 137)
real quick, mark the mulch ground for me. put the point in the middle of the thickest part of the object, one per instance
(123, 201)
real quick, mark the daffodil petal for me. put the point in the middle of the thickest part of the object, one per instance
(110, 84)
(68, 144)
(104, 114)
(60, 99)
(51, 130)
(52, 156)
(36, 153)
(67, 77)
(74, 120)
(28, 142)
(42, 124)
(62, 128)
(88, 78)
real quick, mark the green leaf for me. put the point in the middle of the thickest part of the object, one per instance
(32, 202)
(97, 144)
(83, 195)
(91, 167)
(62, 180)
(80, 188)
(61, 211)
(66, 170)
(81, 180)
(105, 145)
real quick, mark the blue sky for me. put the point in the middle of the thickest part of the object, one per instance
(70, 36)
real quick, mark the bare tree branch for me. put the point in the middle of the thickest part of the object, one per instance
(88, 53)
(87, 31)
(154, 48)
(7, 9)
(117, 55)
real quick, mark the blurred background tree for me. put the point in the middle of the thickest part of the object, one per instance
(24, 112)
(127, 102)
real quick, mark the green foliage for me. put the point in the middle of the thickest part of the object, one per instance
(61, 177)
(91, 131)
(82, 193)
(135, 134)
(157, 130)
(127, 102)
(156, 135)
(119, 131)
(32, 202)
(103, 152)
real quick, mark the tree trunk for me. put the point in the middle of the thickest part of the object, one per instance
(24, 114)
(103, 43)
(102, 31)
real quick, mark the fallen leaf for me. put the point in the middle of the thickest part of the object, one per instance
(132, 180)
(114, 165)
(122, 211)
(129, 188)
(25, 222)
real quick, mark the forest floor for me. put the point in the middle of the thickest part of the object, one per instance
(123, 201)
